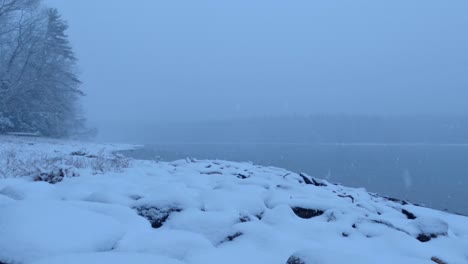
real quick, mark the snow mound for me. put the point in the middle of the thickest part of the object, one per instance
(109, 257)
(31, 230)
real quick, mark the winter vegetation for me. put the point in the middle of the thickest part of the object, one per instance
(103, 208)
(33, 159)
(39, 86)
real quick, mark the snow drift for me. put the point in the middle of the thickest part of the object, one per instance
(192, 211)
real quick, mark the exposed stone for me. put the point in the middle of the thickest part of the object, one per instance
(426, 237)
(430, 228)
(259, 216)
(306, 213)
(78, 153)
(212, 173)
(231, 237)
(395, 200)
(55, 176)
(347, 196)
(242, 176)
(312, 181)
(244, 219)
(438, 260)
(154, 215)
(408, 214)
(295, 260)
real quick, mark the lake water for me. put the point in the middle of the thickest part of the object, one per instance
(433, 175)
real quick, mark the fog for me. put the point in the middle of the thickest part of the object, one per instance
(154, 62)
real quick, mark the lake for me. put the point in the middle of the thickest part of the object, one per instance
(433, 175)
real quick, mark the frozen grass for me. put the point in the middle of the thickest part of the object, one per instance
(19, 158)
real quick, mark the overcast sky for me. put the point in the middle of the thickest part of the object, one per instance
(197, 60)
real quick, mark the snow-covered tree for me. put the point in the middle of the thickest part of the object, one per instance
(39, 87)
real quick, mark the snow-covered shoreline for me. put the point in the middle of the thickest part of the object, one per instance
(102, 208)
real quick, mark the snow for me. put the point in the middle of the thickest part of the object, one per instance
(108, 257)
(37, 229)
(202, 211)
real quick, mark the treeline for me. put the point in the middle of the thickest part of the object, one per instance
(319, 129)
(39, 87)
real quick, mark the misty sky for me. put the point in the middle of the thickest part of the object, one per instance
(198, 60)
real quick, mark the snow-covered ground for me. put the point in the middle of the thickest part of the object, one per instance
(73, 202)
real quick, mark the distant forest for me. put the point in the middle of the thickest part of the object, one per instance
(318, 129)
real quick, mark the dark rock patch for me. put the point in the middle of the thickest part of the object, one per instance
(391, 199)
(259, 216)
(232, 237)
(242, 176)
(395, 200)
(295, 260)
(306, 213)
(136, 197)
(55, 176)
(312, 181)
(154, 215)
(305, 179)
(426, 237)
(213, 173)
(78, 153)
(347, 196)
(244, 219)
(438, 260)
(408, 214)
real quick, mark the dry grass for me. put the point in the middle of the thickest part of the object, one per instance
(42, 166)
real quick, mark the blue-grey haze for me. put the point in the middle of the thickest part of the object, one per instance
(152, 61)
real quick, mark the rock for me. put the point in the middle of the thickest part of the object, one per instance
(347, 196)
(244, 219)
(56, 176)
(395, 200)
(231, 237)
(408, 214)
(242, 176)
(154, 215)
(437, 260)
(295, 260)
(425, 237)
(312, 181)
(430, 228)
(306, 213)
(78, 153)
